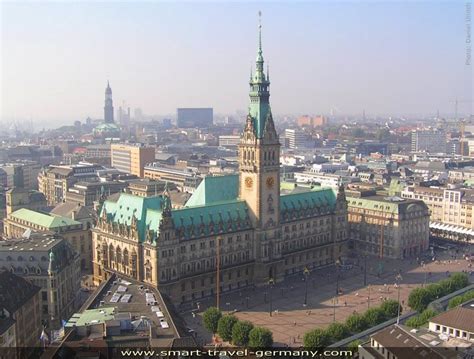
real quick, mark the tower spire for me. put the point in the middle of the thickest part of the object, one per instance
(260, 32)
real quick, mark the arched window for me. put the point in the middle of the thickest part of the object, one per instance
(125, 256)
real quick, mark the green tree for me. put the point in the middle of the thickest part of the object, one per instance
(419, 299)
(260, 338)
(460, 280)
(390, 308)
(354, 345)
(337, 331)
(421, 319)
(316, 338)
(374, 316)
(413, 322)
(224, 327)
(356, 323)
(211, 318)
(240, 333)
(426, 315)
(454, 302)
(438, 290)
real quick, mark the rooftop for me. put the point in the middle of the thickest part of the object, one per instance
(48, 221)
(461, 317)
(15, 291)
(129, 310)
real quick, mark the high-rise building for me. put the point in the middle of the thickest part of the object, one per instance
(108, 105)
(22, 174)
(431, 141)
(308, 121)
(132, 158)
(296, 138)
(194, 117)
(257, 234)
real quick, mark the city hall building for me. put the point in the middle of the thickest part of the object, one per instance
(258, 234)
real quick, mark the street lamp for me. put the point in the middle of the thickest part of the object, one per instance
(365, 270)
(338, 262)
(270, 283)
(398, 278)
(306, 275)
(368, 298)
(218, 279)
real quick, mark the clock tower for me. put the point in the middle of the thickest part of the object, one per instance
(259, 164)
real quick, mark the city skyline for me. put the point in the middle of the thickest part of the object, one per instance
(386, 58)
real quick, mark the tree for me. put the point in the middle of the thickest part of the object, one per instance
(356, 323)
(374, 316)
(260, 338)
(413, 322)
(390, 308)
(460, 280)
(240, 333)
(454, 302)
(337, 331)
(419, 299)
(421, 319)
(354, 345)
(211, 318)
(426, 315)
(224, 327)
(316, 338)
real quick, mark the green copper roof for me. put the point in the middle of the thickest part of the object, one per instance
(215, 189)
(319, 200)
(91, 316)
(259, 108)
(128, 206)
(393, 205)
(43, 219)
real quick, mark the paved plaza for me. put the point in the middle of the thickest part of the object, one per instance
(290, 319)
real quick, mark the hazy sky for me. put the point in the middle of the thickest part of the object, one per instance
(384, 57)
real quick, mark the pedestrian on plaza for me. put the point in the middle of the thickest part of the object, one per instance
(345, 304)
(294, 323)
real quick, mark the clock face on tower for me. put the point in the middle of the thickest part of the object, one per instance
(248, 182)
(270, 182)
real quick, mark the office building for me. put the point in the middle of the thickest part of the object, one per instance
(229, 141)
(22, 174)
(194, 117)
(132, 158)
(297, 139)
(260, 234)
(86, 193)
(431, 141)
(20, 315)
(308, 121)
(55, 181)
(451, 210)
(387, 227)
(23, 221)
(17, 198)
(185, 179)
(50, 263)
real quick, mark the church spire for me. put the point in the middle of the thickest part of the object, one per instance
(259, 109)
